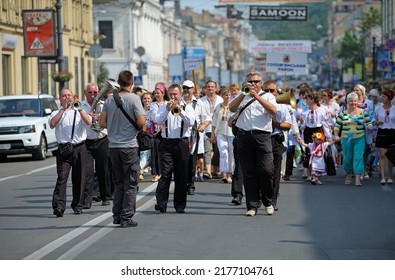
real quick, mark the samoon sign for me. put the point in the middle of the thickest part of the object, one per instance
(278, 13)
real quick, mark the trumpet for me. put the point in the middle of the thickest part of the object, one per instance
(246, 89)
(76, 105)
(176, 111)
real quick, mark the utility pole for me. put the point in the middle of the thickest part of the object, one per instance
(374, 59)
(59, 26)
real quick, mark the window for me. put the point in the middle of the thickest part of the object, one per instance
(6, 64)
(106, 34)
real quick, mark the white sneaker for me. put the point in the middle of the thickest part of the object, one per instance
(270, 210)
(251, 213)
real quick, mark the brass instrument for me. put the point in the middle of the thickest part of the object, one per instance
(246, 89)
(176, 111)
(286, 97)
(110, 87)
(76, 105)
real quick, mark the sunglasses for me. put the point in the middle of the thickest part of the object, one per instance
(92, 92)
(270, 89)
(254, 81)
(185, 87)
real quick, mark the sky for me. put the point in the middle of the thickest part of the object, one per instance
(198, 5)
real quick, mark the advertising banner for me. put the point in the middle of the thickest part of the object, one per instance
(268, 46)
(267, 1)
(278, 13)
(289, 63)
(39, 33)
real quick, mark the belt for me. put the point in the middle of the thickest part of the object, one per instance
(95, 140)
(253, 131)
(175, 139)
(79, 144)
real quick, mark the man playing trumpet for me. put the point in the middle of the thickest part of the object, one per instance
(176, 120)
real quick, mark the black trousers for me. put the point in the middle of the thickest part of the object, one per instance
(155, 156)
(256, 160)
(97, 160)
(278, 149)
(75, 164)
(174, 157)
(237, 180)
(192, 166)
(126, 168)
(289, 166)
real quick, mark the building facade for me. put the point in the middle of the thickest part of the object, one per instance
(22, 75)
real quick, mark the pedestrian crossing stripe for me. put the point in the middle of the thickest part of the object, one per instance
(36, 45)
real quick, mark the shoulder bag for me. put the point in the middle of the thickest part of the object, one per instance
(144, 139)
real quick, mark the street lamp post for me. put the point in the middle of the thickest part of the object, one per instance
(184, 47)
(374, 59)
(60, 57)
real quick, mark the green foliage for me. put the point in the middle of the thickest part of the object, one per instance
(350, 48)
(370, 19)
(102, 77)
(291, 30)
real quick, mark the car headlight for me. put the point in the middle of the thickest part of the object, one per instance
(27, 129)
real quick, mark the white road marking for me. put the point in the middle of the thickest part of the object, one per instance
(28, 173)
(80, 247)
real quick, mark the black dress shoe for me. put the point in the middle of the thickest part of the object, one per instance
(116, 220)
(236, 200)
(191, 191)
(105, 203)
(87, 206)
(275, 208)
(96, 199)
(58, 212)
(77, 211)
(161, 209)
(180, 210)
(130, 223)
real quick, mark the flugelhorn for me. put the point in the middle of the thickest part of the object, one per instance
(176, 111)
(286, 97)
(246, 89)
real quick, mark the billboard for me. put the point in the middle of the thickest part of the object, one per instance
(278, 13)
(267, 1)
(288, 63)
(39, 33)
(267, 46)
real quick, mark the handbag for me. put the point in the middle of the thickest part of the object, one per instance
(144, 139)
(66, 150)
(329, 162)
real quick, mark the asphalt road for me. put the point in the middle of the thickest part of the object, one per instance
(327, 222)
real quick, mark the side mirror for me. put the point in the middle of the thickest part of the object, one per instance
(47, 111)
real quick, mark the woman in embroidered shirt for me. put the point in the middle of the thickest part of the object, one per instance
(222, 133)
(385, 120)
(314, 119)
(352, 122)
(160, 98)
(317, 162)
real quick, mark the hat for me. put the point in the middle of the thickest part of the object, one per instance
(188, 83)
(318, 135)
(373, 92)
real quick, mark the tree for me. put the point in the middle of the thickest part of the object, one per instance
(370, 19)
(102, 77)
(351, 48)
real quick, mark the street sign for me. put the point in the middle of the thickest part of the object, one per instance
(47, 60)
(390, 44)
(387, 75)
(95, 51)
(138, 80)
(176, 79)
(191, 64)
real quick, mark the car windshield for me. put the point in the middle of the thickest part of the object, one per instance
(20, 107)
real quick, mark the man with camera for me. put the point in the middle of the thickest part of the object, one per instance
(70, 123)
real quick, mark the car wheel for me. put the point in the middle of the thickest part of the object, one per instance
(41, 152)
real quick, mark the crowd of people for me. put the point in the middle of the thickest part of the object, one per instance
(243, 134)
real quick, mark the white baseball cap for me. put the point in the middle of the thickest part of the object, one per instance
(373, 92)
(188, 83)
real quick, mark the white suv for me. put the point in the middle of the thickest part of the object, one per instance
(24, 127)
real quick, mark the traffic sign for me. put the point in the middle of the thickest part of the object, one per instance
(176, 79)
(95, 51)
(390, 44)
(387, 75)
(138, 80)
